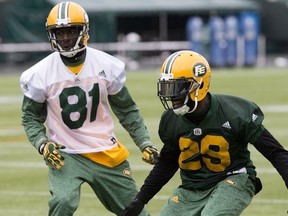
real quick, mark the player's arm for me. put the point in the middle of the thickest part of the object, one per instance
(33, 117)
(161, 173)
(271, 149)
(130, 118)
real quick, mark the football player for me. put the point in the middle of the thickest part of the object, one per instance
(68, 93)
(206, 135)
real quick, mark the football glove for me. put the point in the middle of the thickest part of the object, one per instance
(150, 155)
(134, 208)
(52, 156)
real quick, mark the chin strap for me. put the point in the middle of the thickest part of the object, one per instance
(186, 109)
(181, 110)
(71, 53)
(195, 105)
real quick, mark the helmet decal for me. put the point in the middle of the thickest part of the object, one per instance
(169, 62)
(63, 14)
(199, 70)
(63, 10)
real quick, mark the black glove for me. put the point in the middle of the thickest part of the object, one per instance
(134, 208)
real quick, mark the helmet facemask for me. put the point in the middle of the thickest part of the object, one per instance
(175, 94)
(78, 40)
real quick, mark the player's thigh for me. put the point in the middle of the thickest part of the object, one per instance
(185, 202)
(114, 187)
(65, 183)
(70, 177)
(230, 197)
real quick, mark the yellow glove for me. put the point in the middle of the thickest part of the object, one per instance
(52, 156)
(150, 155)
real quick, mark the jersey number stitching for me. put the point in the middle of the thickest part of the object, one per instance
(79, 107)
(213, 151)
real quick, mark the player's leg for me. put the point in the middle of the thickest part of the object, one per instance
(65, 186)
(186, 202)
(230, 197)
(115, 187)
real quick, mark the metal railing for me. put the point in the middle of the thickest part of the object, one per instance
(109, 47)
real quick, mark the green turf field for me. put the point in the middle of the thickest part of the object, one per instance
(24, 190)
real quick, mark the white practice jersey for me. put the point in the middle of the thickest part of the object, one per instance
(78, 112)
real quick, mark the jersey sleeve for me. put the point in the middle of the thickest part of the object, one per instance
(273, 151)
(119, 78)
(32, 85)
(252, 127)
(33, 118)
(116, 74)
(34, 110)
(129, 117)
(245, 117)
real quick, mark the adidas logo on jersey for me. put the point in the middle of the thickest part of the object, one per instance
(254, 117)
(102, 73)
(226, 125)
(26, 87)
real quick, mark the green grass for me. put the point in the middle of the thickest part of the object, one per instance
(24, 190)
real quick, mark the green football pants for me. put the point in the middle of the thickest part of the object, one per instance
(229, 197)
(114, 187)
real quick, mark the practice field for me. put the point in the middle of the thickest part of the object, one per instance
(24, 190)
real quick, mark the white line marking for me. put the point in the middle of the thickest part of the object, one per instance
(275, 108)
(91, 195)
(10, 99)
(29, 165)
(23, 164)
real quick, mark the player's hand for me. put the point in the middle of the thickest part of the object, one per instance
(150, 155)
(52, 156)
(134, 208)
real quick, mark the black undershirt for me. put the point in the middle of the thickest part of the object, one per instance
(76, 60)
(273, 151)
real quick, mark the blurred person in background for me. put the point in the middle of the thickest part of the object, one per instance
(206, 135)
(68, 93)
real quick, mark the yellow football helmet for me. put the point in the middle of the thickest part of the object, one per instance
(68, 14)
(184, 75)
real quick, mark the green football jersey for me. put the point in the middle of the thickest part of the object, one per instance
(218, 146)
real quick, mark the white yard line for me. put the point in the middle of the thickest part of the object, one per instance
(5, 193)
(10, 99)
(29, 165)
(275, 108)
(5, 164)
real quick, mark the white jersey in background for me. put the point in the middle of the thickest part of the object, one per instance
(78, 112)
